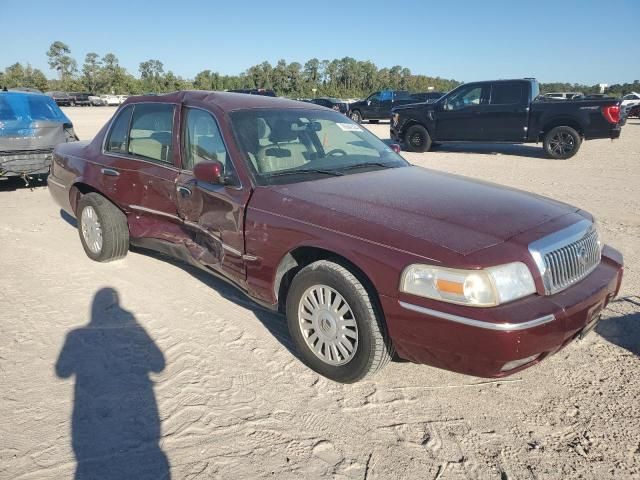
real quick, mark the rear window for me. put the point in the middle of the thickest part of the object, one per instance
(507, 93)
(27, 107)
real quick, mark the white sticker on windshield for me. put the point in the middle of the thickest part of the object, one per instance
(349, 127)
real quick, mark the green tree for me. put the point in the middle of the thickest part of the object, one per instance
(92, 72)
(61, 61)
(151, 75)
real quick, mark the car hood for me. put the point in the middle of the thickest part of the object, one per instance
(413, 208)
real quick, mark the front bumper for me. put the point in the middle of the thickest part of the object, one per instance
(25, 162)
(437, 334)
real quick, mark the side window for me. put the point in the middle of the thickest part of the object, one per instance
(152, 132)
(202, 141)
(508, 93)
(374, 97)
(468, 97)
(119, 134)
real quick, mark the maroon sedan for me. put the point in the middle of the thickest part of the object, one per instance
(310, 214)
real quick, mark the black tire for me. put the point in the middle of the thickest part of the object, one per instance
(373, 349)
(356, 116)
(374, 121)
(112, 224)
(417, 139)
(561, 142)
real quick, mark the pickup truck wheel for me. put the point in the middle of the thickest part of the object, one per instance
(103, 228)
(417, 139)
(356, 116)
(337, 329)
(561, 142)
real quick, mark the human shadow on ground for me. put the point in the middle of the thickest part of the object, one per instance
(623, 330)
(115, 422)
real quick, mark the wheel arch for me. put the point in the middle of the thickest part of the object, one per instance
(561, 122)
(80, 188)
(410, 123)
(301, 256)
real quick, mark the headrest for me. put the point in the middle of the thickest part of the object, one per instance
(282, 132)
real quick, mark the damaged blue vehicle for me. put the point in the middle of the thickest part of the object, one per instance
(30, 126)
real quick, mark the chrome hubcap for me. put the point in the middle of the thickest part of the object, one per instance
(562, 143)
(91, 229)
(328, 325)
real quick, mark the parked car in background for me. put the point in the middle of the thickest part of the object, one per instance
(62, 99)
(506, 111)
(255, 91)
(378, 105)
(332, 103)
(312, 215)
(97, 101)
(30, 126)
(630, 98)
(111, 100)
(79, 99)
(632, 110)
(564, 95)
(122, 98)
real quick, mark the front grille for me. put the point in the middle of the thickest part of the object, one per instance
(570, 264)
(568, 256)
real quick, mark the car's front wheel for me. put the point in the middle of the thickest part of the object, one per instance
(335, 324)
(561, 142)
(417, 139)
(356, 116)
(103, 228)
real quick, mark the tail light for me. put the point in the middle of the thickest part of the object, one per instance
(611, 113)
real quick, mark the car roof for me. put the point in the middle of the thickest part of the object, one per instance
(226, 101)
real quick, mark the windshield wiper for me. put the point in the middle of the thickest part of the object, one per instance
(305, 170)
(369, 164)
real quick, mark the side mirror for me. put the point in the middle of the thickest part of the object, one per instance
(209, 171)
(395, 147)
(368, 102)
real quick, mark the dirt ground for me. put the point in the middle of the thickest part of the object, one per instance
(144, 365)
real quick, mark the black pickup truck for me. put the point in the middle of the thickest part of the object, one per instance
(378, 105)
(510, 111)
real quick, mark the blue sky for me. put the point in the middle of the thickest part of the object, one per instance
(587, 42)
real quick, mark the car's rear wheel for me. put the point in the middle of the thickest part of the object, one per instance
(103, 228)
(335, 324)
(417, 139)
(561, 142)
(356, 116)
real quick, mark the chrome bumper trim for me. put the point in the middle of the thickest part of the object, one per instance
(501, 327)
(56, 183)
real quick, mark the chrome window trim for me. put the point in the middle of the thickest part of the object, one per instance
(128, 156)
(554, 241)
(500, 327)
(215, 119)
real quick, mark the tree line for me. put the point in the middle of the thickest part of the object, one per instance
(345, 77)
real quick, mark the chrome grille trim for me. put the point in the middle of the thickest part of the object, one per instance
(567, 256)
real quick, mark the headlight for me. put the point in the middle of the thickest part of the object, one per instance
(477, 288)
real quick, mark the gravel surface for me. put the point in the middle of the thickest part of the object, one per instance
(145, 368)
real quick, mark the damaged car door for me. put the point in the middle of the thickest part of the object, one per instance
(211, 208)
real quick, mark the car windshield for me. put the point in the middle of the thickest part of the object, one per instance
(296, 145)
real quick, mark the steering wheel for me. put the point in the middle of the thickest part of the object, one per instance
(335, 151)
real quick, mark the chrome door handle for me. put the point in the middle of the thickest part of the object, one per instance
(110, 172)
(184, 191)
